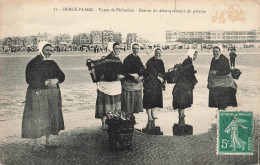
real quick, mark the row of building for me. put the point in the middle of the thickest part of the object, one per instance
(33, 40)
(94, 38)
(214, 35)
(101, 38)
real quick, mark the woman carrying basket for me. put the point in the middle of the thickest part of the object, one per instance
(185, 82)
(109, 87)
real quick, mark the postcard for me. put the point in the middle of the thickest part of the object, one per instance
(66, 97)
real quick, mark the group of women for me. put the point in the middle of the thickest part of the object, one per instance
(128, 86)
(125, 85)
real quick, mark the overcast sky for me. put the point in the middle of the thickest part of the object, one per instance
(31, 17)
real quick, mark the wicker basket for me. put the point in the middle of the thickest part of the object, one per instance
(120, 133)
(235, 73)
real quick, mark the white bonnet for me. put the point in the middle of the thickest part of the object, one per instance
(156, 49)
(110, 46)
(41, 45)
(218, 45)
(135, 43)
(191, 52)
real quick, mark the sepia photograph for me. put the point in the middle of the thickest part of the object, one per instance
(129, 82)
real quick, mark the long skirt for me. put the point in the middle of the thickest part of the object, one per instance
(182, 99)
(42, 113)
(132, 101)
(153, 99)
(222, 97)
(107, 103)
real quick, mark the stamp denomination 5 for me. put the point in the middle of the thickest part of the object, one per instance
(235, 133)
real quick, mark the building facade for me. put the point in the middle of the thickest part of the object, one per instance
(9, 41)
(130, 38)
(141, 40)
(96, 37)
(104, 37)
(62, 38)
(82, 39)
(107, 36)
(45, 37)
(214, 35)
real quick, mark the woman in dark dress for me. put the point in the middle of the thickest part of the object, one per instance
(153, 84)
(183, 89)
(133, 83)
(109, 87)
(222, 88)
(43, 108)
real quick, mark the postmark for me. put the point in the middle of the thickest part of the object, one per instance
(235, 133)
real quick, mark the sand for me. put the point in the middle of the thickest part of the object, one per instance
(83, 142)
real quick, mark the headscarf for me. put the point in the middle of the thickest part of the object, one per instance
(191, 52)
(41, 45)
(135, 43)
(156, 49)
(219, 46)
(110, 46)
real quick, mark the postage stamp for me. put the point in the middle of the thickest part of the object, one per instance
(235, 133)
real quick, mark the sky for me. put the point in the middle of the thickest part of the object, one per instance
(25, 18)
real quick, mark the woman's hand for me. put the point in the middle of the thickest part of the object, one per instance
(161, 79)
(120, 77)
(47, 82)
(139, 79)
(52, 83)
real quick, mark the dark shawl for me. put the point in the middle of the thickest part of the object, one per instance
(221, 65)
(154, 68)
(133, 64)
(187, 79)
(113, 68)
(39, 70)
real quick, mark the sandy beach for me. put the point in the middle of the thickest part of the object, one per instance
(83, 142)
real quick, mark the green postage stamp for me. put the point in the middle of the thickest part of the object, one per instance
(235, 133)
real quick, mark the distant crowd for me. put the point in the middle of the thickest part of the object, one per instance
(104, 48)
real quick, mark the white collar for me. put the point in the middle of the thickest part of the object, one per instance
(217, 57)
